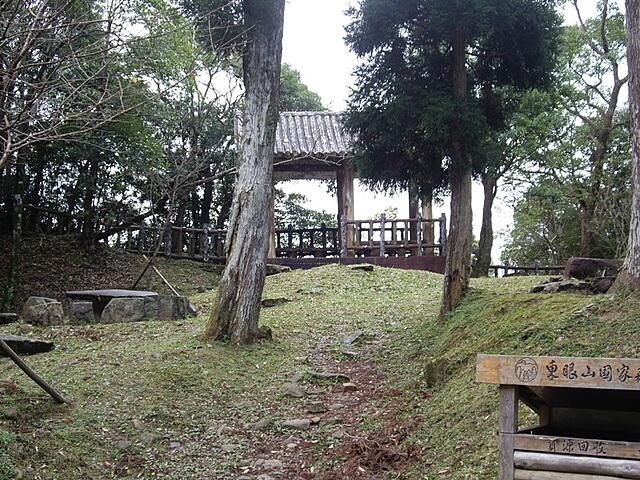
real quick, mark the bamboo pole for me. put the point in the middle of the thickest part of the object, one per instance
(32, 375)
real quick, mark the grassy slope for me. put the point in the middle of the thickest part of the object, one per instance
(138, 390)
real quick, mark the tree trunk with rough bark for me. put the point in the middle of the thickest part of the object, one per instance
(629, 276)
(458, 265)
(489, 185)
(236, 313)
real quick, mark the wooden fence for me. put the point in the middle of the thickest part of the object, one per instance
(511, 270)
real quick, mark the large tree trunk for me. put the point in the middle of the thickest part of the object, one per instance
(235, 316)
(481, 269)
(629, 276)
(458, 265)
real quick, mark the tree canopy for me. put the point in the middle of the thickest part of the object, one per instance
(428, 92)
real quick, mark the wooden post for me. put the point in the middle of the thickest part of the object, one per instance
(427, 226)
(383, 217)
(413, 213)
(206, 242)
(343, 236)
(508, 425)
(420, 232)
(345, 178)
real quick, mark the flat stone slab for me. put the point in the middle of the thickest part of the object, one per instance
(25, 346)
(6, 318)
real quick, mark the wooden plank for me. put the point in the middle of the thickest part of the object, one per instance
(575, 464)
(578, 446)
(537, 475)
(572, 372)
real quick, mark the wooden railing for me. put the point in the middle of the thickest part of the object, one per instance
(510, 270)
(360, 238)
(173, 241)
(393, 237)
(307, 242)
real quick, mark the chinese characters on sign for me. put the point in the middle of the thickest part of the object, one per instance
(568, 370)
(569, 445)
(607, 372)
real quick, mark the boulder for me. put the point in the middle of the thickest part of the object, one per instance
(582, 267)
(125, 309)
(43, 311)
(172, 307)
(273, 269)
(82, 312)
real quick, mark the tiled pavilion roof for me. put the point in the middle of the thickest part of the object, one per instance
(302, 134)
(309, 145)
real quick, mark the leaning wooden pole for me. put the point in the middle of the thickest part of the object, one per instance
(32, 375)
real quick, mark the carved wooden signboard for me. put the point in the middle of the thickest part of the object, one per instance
(589, 416)
(606, 373)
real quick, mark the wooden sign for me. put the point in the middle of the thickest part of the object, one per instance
(577, 372)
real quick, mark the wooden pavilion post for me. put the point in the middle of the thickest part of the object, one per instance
(413, 214)
(345, 177)
(428, 237)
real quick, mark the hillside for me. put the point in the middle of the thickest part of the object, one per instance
(361, 380)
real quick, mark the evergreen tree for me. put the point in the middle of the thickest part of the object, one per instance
(428, 93)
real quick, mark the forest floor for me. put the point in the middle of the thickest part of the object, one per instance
(362, 380)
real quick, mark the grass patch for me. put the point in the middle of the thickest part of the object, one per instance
(151, 400)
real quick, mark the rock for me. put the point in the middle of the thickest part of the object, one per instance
(353, 338)
(274, 302)
(539, 288)
(6, 318)
(147, 438)
(123, 444)
(297, 424)
(138, 425)
(265, 333)
(264, 476)
(581, 267)
(273, 269)
(262, 423)
(26, 346)
(223, 430)
(338, 434)
(10, 412)
(125, 309)
(26, 329)
(317, 407)
(573, 286)
(329, 421)
(602, 284)
(43, 311)
(349, 387)
(272, 465)
(365, 267)
(82, 312)
(293, 390)
(229, 447)
(171, 307)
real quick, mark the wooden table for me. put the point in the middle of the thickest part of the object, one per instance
(100, 298)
